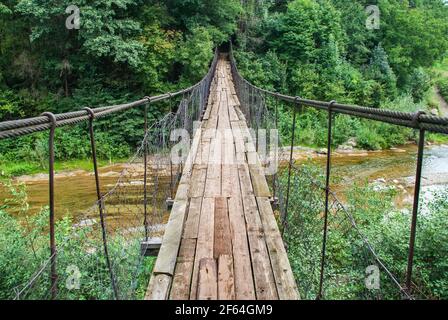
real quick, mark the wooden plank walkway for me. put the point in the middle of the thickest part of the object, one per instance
(222, 240)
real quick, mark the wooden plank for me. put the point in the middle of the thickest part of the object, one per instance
(158, 287)
(240, 150)
(208, 280)
(166, 260)
(223, 241)
(263, 275)
(213, 180)
(284, 278)
(228, 148)
(244, 283)
(226, 281)
(203, 152)
(204, 247)
(192, 223)
(259, 183)
(245, 180)
(180, 289)
(265, 288)
(183, 191)
(197, 184)
(232, 113)
(229, 180)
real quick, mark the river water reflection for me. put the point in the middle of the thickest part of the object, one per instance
(75, 191)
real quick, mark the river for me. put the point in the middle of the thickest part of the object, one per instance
(75, 190)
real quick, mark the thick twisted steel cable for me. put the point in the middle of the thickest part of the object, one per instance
(16, 128)
(406, 119)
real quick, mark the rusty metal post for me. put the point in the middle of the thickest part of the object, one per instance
(145, 174)
(53, 252)
(327, 196)
(171, 180)
(284, 217)
(418, 178)
(91, 113)
(274, 180)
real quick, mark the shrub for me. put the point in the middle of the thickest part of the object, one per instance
(443, 88)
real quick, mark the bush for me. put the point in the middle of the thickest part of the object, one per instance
(24, 251)
(419, 83)
(386, 229)
(442, 84)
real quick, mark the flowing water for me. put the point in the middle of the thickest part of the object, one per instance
(394, 168)
(75, 191)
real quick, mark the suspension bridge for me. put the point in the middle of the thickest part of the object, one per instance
(219, 219)
(222, 240)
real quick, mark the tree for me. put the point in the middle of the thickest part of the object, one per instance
(380, 70)
(219, 17)
(413, 36)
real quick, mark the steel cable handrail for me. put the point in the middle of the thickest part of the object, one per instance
(16, 128)
(405, 119)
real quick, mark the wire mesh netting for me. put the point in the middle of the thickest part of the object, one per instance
(353, 269)
(100, 253)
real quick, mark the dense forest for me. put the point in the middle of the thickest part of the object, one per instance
(127, 49)
(323, 50)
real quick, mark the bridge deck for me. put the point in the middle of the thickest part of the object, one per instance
(222, 240)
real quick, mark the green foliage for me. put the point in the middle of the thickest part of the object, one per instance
(218, 16)
(325, 52)
(419, 83)
(413, 36)
(124, 50)
(385, 228)
(24, 249)
(195, 53)
(442, 84)
(380, 71)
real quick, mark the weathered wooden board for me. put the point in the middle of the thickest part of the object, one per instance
(284, 278)
(192, 223)
(180, 289)
(223, 240)
(259, 182)
(198, 181)
(226, 280)
(244, 284)
(159, 286)
(208, 280)
(204, 248)
(166, 260)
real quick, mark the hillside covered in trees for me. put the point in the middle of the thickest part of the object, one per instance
(126, 49)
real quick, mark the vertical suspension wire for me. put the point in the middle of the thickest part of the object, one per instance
(145, 169)
(291, 160)
(327, 196)
(171, 162)
(91, 114)
(53, 252)
(415, 208)
(274, 179)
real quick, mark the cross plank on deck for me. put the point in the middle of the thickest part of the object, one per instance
(222, 240)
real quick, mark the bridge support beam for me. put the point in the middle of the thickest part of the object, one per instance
(53, 252)
(91, 113)
(327, 197)
(418, 179)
